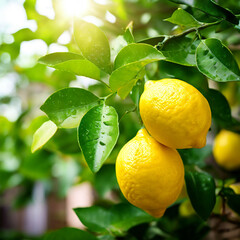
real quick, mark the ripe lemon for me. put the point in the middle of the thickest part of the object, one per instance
(226, 150)
(175, 113)
(150, 175)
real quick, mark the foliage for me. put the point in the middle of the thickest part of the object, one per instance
(88, 123)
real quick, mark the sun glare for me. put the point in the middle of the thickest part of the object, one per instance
(76, 8)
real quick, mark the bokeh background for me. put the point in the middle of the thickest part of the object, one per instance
(38, 191)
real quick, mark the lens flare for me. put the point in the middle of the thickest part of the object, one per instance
(76, 8)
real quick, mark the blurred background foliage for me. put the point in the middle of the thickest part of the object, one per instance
(32, 28)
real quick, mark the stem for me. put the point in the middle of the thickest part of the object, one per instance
(108, 96)
(133, 110)
(167, 38)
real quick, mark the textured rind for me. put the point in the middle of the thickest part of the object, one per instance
(226, 150)
(175, 113)
(149, 174)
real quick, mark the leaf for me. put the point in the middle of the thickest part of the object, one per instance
(130, 64)
(122, 41)
(136, 52)
(180, 50)
(183, 18)
(124, 78)
(67, 106)
(211, 8)
(69, 234)
(128, 35)
(153, 40)
(221, 111)
(71, 62)
(195, 156)
(137, 92)
(219, 105)
(118, 219)
(233, 199)
(188, 74)
(106, 237)
(201, 191)
(216, 61)
(98, 134)
(43, 134)
(93, 43)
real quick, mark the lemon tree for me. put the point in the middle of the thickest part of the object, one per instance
(144, 107)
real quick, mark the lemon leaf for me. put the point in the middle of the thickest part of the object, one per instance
(97, 135)
(93, 44)
(216, 61)
(129, 66)
(233, 199)
(71, 62)
(43, 134)
(183, 18)
(67, 106)
(70, 234)
(211, 8)
(201, 186)
(117, 219)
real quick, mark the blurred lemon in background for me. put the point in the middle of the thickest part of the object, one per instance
(226, 150)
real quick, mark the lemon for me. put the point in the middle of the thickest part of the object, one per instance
(235, 187)
(175, 113)
(226, 150)
(186, 209)
(150, 175)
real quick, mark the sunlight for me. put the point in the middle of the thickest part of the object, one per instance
(76, 8)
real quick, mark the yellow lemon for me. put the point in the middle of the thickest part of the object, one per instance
(175, 113)
(186, 209)
(226, 150)
(235, 187)
(150, 175)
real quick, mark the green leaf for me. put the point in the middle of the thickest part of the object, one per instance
(137, 92)
(129, 65)
(122, 41)
(93, 43)
(137, 52)
(221, 111)
(69, 234)
(153, 40)
(106, 237)
(97, 135)
(124, 78)
(216, 61)
(43, 134)
(183, 18)
(67, 106)
(128, 35)
(211, 8)
(195, 156)
(188, 74)
(71, 62)
(233, 199)
(64, 141)
(201, 191)
(180, 50)
(118, 219)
